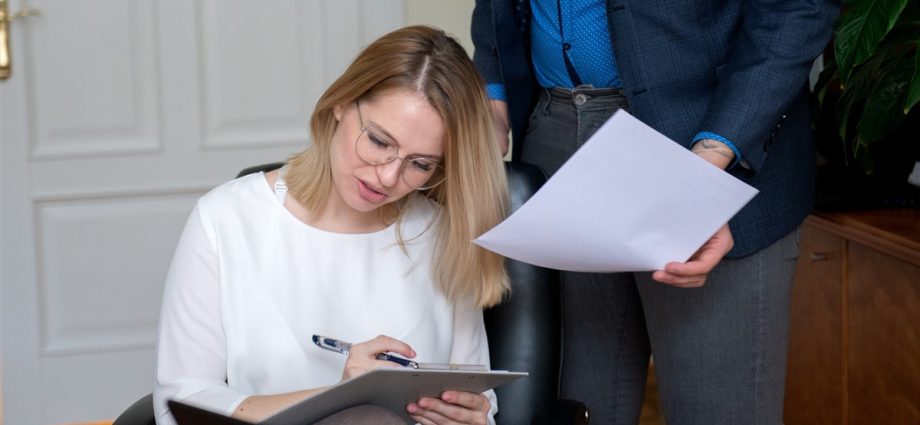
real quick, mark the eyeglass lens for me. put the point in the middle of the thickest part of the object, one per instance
(416, 172)
(419, 173)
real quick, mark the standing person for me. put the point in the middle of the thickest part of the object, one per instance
(343, 241)
(726, 79)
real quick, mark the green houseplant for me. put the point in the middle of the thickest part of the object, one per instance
(869, 89)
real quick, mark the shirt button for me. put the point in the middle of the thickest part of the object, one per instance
(580, 99)
(566, 46)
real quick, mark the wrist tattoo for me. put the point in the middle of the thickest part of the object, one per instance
(709, 145)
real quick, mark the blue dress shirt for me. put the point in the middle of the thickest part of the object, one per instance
(583, 36)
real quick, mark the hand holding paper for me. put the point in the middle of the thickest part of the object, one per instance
(693, 272)
(628, 200)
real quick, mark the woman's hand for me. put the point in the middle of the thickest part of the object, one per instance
(362, 358)
(454, 407)
(692, 274)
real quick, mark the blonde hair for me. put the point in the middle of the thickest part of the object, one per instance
(474, 195)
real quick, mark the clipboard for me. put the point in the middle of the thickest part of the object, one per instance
(392, 388)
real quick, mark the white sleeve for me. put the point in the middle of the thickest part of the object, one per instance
(191, 345)
(470, 345)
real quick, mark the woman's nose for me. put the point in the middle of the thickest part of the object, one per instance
(389, 172)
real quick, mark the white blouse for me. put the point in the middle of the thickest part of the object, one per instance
(250, 284)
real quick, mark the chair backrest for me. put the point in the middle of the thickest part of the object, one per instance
(262, 167)
(525, 331)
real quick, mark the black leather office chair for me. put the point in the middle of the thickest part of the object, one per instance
(525, 333)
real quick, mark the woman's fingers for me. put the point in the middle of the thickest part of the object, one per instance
(454, 407)
(362, 357)
(471, 401)
(383, 344)
(429, 415)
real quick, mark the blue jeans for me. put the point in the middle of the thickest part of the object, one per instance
(719, 350)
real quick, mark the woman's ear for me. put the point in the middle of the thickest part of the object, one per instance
(337, 111)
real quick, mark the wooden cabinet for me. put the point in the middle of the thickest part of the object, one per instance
(854, 348)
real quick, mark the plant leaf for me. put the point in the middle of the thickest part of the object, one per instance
(904, 34)
(882, 112)
(861, 153)
(827, 75)
(861, 28)
(861, 83)
(911, 13)
(913, 91)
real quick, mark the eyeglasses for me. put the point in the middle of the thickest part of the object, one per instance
(419, 173)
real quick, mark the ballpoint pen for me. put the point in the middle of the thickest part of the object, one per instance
(343, 347)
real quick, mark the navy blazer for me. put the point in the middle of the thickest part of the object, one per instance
(738, 68)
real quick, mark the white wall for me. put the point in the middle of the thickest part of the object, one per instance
(453, 16)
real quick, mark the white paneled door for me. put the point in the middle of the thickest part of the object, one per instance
(117, 116)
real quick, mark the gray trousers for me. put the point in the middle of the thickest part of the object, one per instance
(364, 414)
(719, 350)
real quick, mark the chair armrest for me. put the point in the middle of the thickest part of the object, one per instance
(139, 413)
(562, 412)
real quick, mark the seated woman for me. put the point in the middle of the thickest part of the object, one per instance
(365, 236)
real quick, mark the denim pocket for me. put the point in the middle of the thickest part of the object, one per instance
(542, 108)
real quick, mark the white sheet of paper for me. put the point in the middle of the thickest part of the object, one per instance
(629, 199)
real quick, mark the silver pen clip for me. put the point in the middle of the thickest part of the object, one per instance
(331, 344)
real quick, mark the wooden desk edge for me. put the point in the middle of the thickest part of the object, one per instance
(851, 227)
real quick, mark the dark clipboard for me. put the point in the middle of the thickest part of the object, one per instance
(393, 388)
